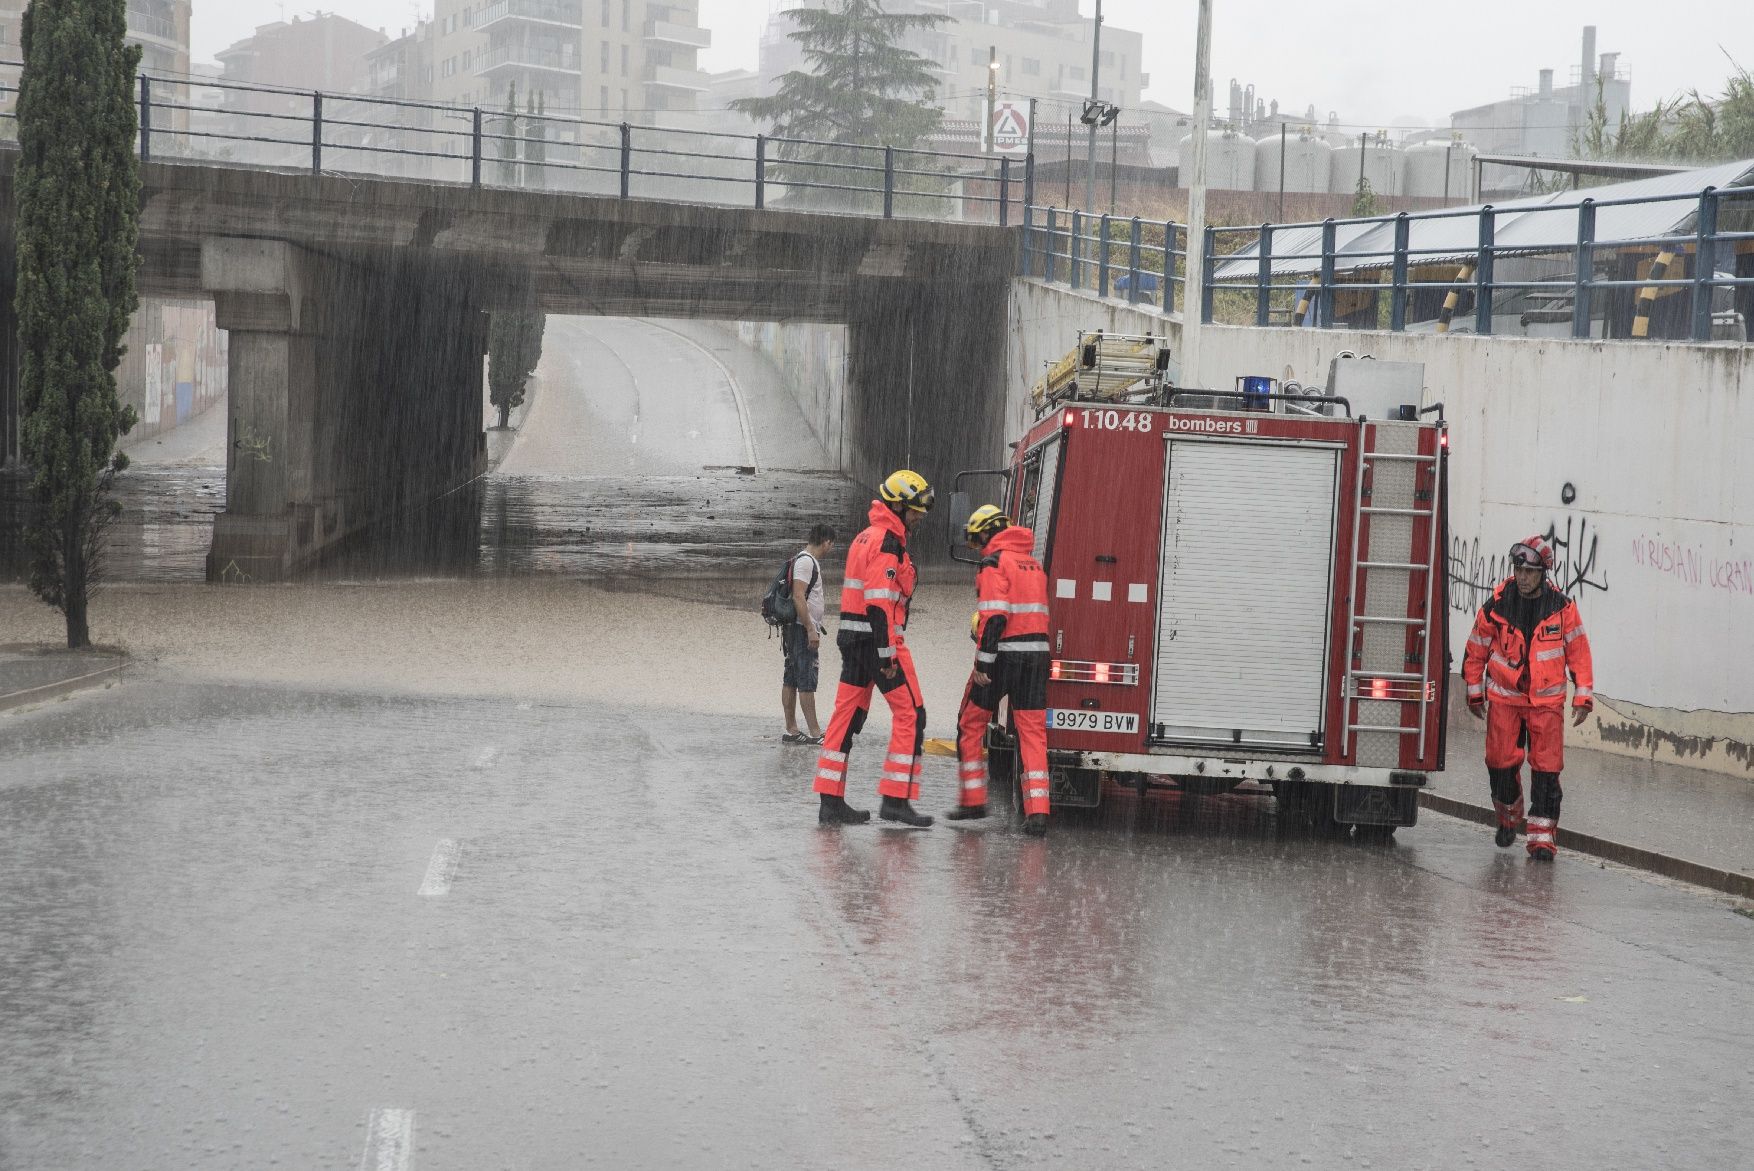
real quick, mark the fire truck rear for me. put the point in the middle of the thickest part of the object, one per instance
(1247, 586)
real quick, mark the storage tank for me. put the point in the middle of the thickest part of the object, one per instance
(1424, 173)
(1382, 166)
(1230, 161)
(1309, 164)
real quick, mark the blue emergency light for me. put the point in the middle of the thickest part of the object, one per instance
(1256, 391)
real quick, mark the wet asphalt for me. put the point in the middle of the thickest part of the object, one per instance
(243, 922)
(330, 926)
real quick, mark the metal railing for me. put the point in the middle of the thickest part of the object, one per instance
(1143, 261)
(1582, 285)
(235, 124)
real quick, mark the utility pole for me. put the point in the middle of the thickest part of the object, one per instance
(1194, 291)
(1095, 66)
(992, 86)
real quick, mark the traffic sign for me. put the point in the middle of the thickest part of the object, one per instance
(1010, 129)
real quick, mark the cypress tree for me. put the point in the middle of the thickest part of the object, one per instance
(78, 218)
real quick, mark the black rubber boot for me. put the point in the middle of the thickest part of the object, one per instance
(966, 813)
(1035, 825)
(898, 809)
(1506, 836)
(1542, 853)
(836, 811)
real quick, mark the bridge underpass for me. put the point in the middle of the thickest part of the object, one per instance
(357, 319)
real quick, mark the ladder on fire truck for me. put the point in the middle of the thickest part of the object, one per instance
(1365, 683)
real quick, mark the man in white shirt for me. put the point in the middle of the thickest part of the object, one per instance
(802, 640)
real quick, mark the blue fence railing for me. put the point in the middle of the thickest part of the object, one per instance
(1674, 266)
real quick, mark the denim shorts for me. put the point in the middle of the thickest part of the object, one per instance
(801, 660)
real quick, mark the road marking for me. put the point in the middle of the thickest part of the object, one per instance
(486, 755)
(389, 1141)
(744, 422)
(440, 870)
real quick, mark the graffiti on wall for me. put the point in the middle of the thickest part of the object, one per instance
(1689, 565)
(1474, 573)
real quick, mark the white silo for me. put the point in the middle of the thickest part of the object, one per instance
(1308, 163)
(1426, 164)
(1381, 165)
(1230, 161)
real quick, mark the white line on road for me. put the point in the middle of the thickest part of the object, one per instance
(486, 755)
(389, 1141)
(440, 870)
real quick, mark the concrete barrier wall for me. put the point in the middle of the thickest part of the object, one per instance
(813, 361)
(1629, 455)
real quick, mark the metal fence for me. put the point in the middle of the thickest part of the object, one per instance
(1677, 266)
(1142, 261)
(232, 124)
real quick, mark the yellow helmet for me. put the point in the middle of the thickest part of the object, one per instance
(908, 489)
(986, 520)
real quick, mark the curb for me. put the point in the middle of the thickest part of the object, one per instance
(1727, 882)
(30, 695)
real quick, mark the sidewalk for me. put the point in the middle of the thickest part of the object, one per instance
(31, 673)
(1701, 817)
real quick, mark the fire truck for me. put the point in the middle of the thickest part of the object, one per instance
(1247, 586)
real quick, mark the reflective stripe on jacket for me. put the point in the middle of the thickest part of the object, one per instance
(1011, 591)
(1500, 666)
(879, 583)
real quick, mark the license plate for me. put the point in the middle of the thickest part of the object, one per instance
(1083, 720)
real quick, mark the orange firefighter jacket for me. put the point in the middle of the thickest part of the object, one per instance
(1011, 610)
(1501, 666)
(879, 584)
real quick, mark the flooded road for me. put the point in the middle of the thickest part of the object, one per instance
(255, 927)
(634, 456)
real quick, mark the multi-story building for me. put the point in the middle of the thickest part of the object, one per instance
(600, 59)
(159, 27)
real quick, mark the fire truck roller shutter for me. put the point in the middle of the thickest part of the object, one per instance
(1245, 596)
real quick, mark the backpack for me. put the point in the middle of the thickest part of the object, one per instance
(777, 606)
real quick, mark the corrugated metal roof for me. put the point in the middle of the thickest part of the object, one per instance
(1665, 205)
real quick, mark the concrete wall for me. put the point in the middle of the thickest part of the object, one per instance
(812, 359)
(1629, 455)
(175, 365)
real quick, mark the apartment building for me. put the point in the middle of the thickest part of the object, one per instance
(607, 59)
(159, 27)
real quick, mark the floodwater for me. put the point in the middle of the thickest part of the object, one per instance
(633, 457)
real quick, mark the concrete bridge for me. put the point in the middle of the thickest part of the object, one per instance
(357, 316)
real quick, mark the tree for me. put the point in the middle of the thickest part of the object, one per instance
(508, 139)
(77, 225)
(535, 143)
(862, 89)
(514, 347)
(1364, 201)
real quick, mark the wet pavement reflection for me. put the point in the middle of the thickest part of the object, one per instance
(236, 933)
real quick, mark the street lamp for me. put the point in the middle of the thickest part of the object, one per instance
(992, 94)
(1095, 67)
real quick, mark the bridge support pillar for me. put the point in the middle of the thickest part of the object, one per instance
(926, 384)
(355, 399)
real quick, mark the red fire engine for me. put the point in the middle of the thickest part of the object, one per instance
(1247, 586)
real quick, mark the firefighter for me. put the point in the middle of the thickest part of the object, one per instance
(1525, 640)
(1011, 662)
(874, 599)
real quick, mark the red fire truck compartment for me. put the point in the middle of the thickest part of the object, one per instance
(1240, 596)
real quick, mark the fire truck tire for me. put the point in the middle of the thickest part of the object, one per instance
(1308, 807)
(1206, 786)
(1002, 777)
